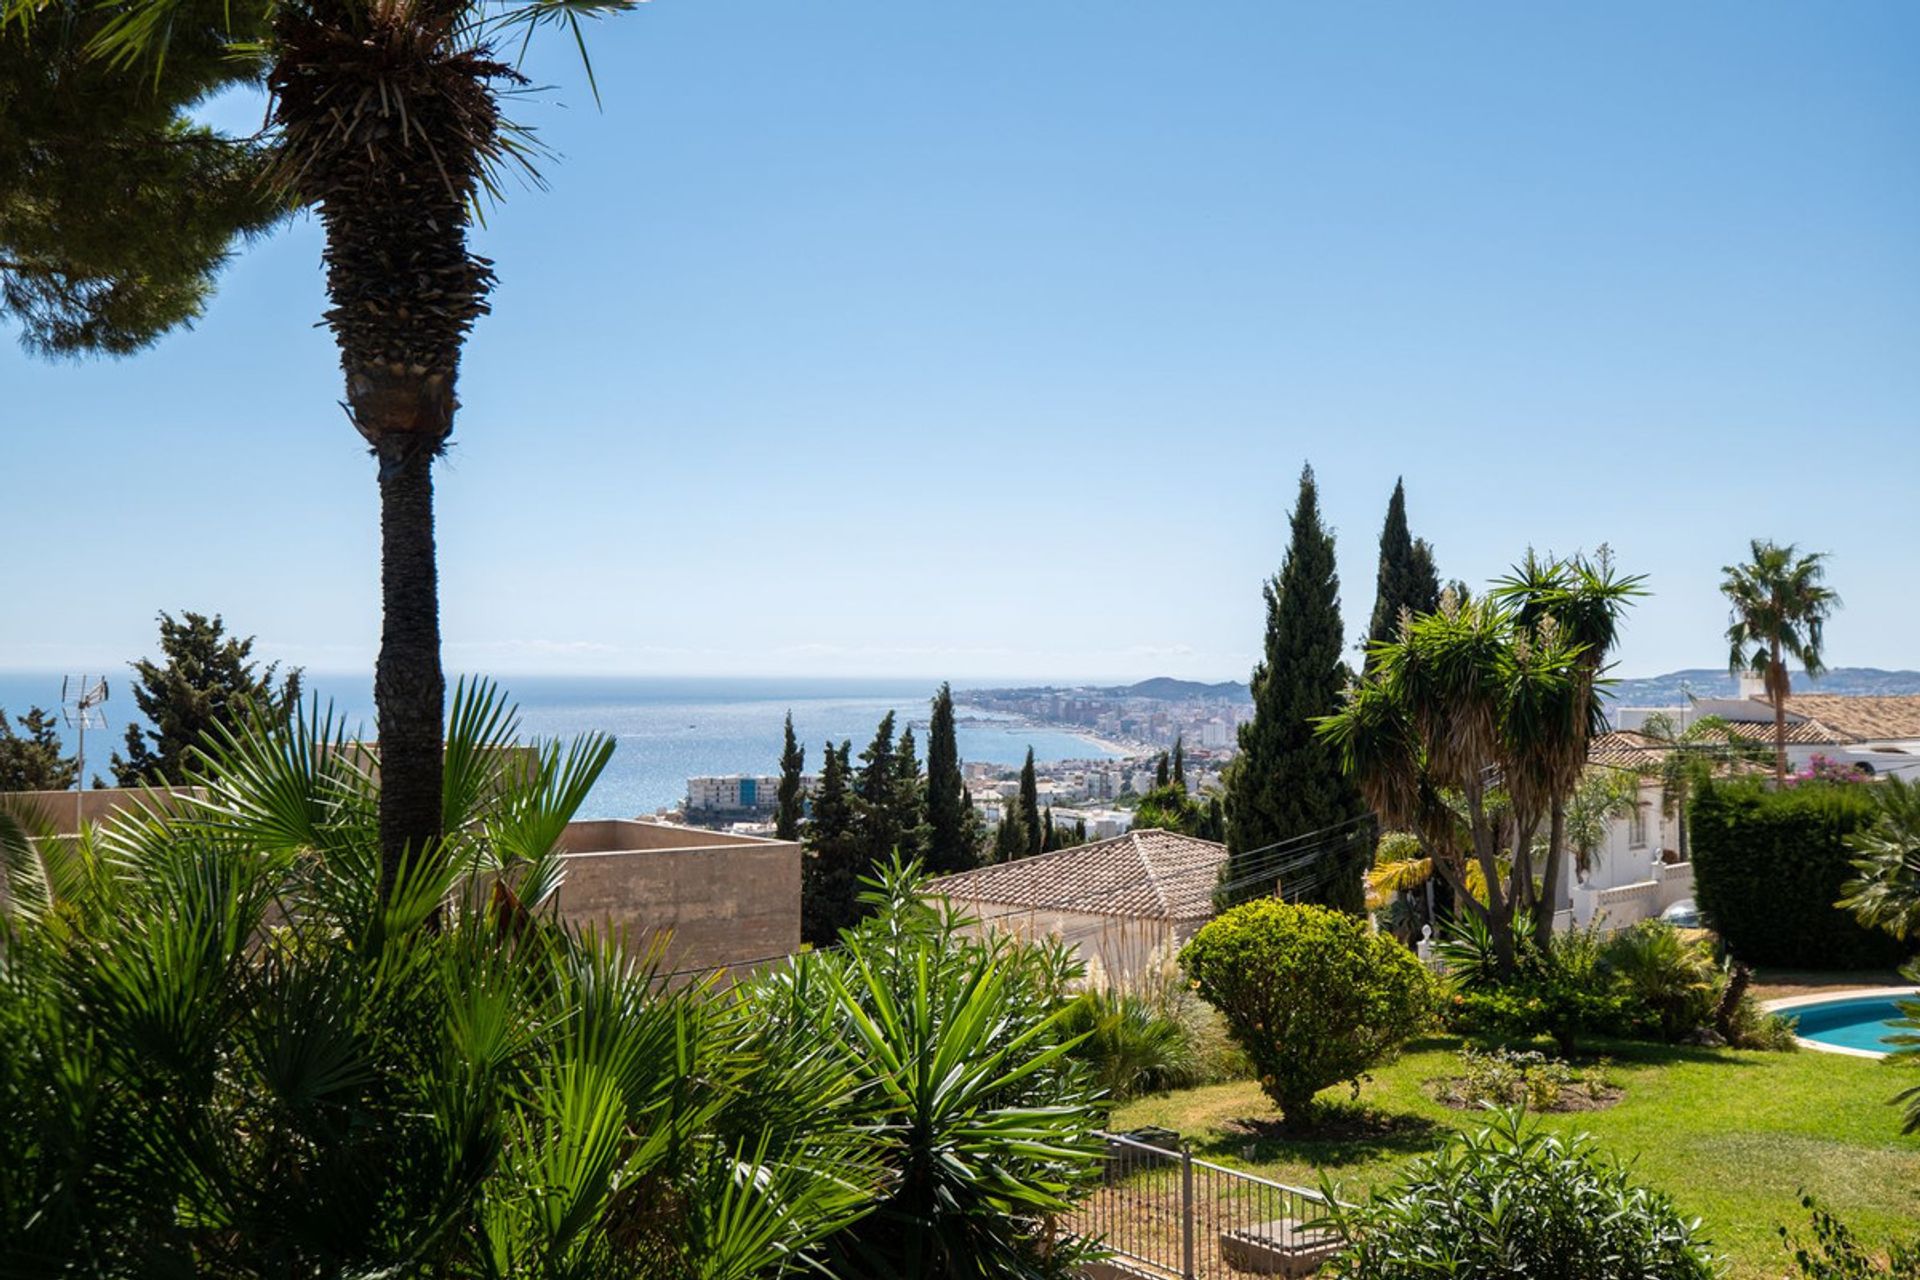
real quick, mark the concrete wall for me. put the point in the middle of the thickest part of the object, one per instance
(728, 900)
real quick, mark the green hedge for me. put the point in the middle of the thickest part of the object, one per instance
(1768, 866)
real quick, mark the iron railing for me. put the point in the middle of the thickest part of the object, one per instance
(1166, 1214)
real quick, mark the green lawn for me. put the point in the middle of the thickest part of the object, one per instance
(1734, 1136)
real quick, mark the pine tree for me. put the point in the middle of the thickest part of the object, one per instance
(908, 799)
(1285, 782)
(831, 865)
(208, 680)
(33, 760)
(1180, 760)
(1030, 805)
(950, 845)
(117, 208)
(1407, 580)
(793, 764)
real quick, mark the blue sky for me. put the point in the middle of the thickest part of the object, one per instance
(988, 340)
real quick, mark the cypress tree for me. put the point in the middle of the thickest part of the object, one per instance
(1030, 805)
(1049, 839)
(951, 844)
(1079, 830)
(1285, 782)
(908, 799)
(1180, 760)
(1407, 580)
(1162, 772)
(793, 763)
(1010, 837)
(874, 803)
(831, 866)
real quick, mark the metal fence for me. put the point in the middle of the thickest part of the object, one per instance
(1165, 1214)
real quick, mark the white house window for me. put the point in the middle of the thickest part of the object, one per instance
(1637, 827)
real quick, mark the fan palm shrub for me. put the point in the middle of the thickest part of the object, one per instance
(232, 1052)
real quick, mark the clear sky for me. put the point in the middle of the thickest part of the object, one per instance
(988, 340)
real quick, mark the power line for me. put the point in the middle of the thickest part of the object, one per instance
(1276, 860)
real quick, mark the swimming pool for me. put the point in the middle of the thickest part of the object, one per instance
(1851, 1024)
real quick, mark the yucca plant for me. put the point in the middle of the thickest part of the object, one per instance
(962, 1070)
(232, 1052)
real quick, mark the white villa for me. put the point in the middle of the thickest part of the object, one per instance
(1639, 872)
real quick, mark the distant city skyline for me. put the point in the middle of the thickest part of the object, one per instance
(986, 344)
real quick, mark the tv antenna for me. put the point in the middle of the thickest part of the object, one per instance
(80, 702)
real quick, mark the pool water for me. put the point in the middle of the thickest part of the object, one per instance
(1862, 1023)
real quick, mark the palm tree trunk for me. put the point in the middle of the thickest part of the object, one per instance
(409, 688)
(1777, 687)
(1549, 905)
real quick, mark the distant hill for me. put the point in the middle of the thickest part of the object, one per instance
(1671, 690)
(1168, 689)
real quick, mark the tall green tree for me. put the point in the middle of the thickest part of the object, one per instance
(909, 800)
(116, 209)
(952, 842)
(1179, 771)
(205, 680)
(1030, 805)
(1286, 782)
(791, 802)
(1779, 604)
(1407, 582)
(1162, 771)
(1470, 732)
(832, 863)
(876, 797)
(33, 759)
(386, 120)
(1580, 602)
(1010, 837)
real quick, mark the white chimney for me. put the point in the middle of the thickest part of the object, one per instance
(1752, 686)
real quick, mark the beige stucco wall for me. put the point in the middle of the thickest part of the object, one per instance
(1115, 949)
(728, 903)
(69, 810)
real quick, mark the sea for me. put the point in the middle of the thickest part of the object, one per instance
(665, 729)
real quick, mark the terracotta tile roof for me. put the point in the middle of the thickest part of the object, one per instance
(1630, 749)
(1158, 875)
(1861, 718)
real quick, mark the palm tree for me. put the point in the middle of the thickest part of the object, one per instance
(386, 119)
(1583, 601)
(1779, 607)
(1472, 730)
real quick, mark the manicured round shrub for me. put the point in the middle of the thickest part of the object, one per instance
(1769, 865)
(1311, 995)
(1513, 1200)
